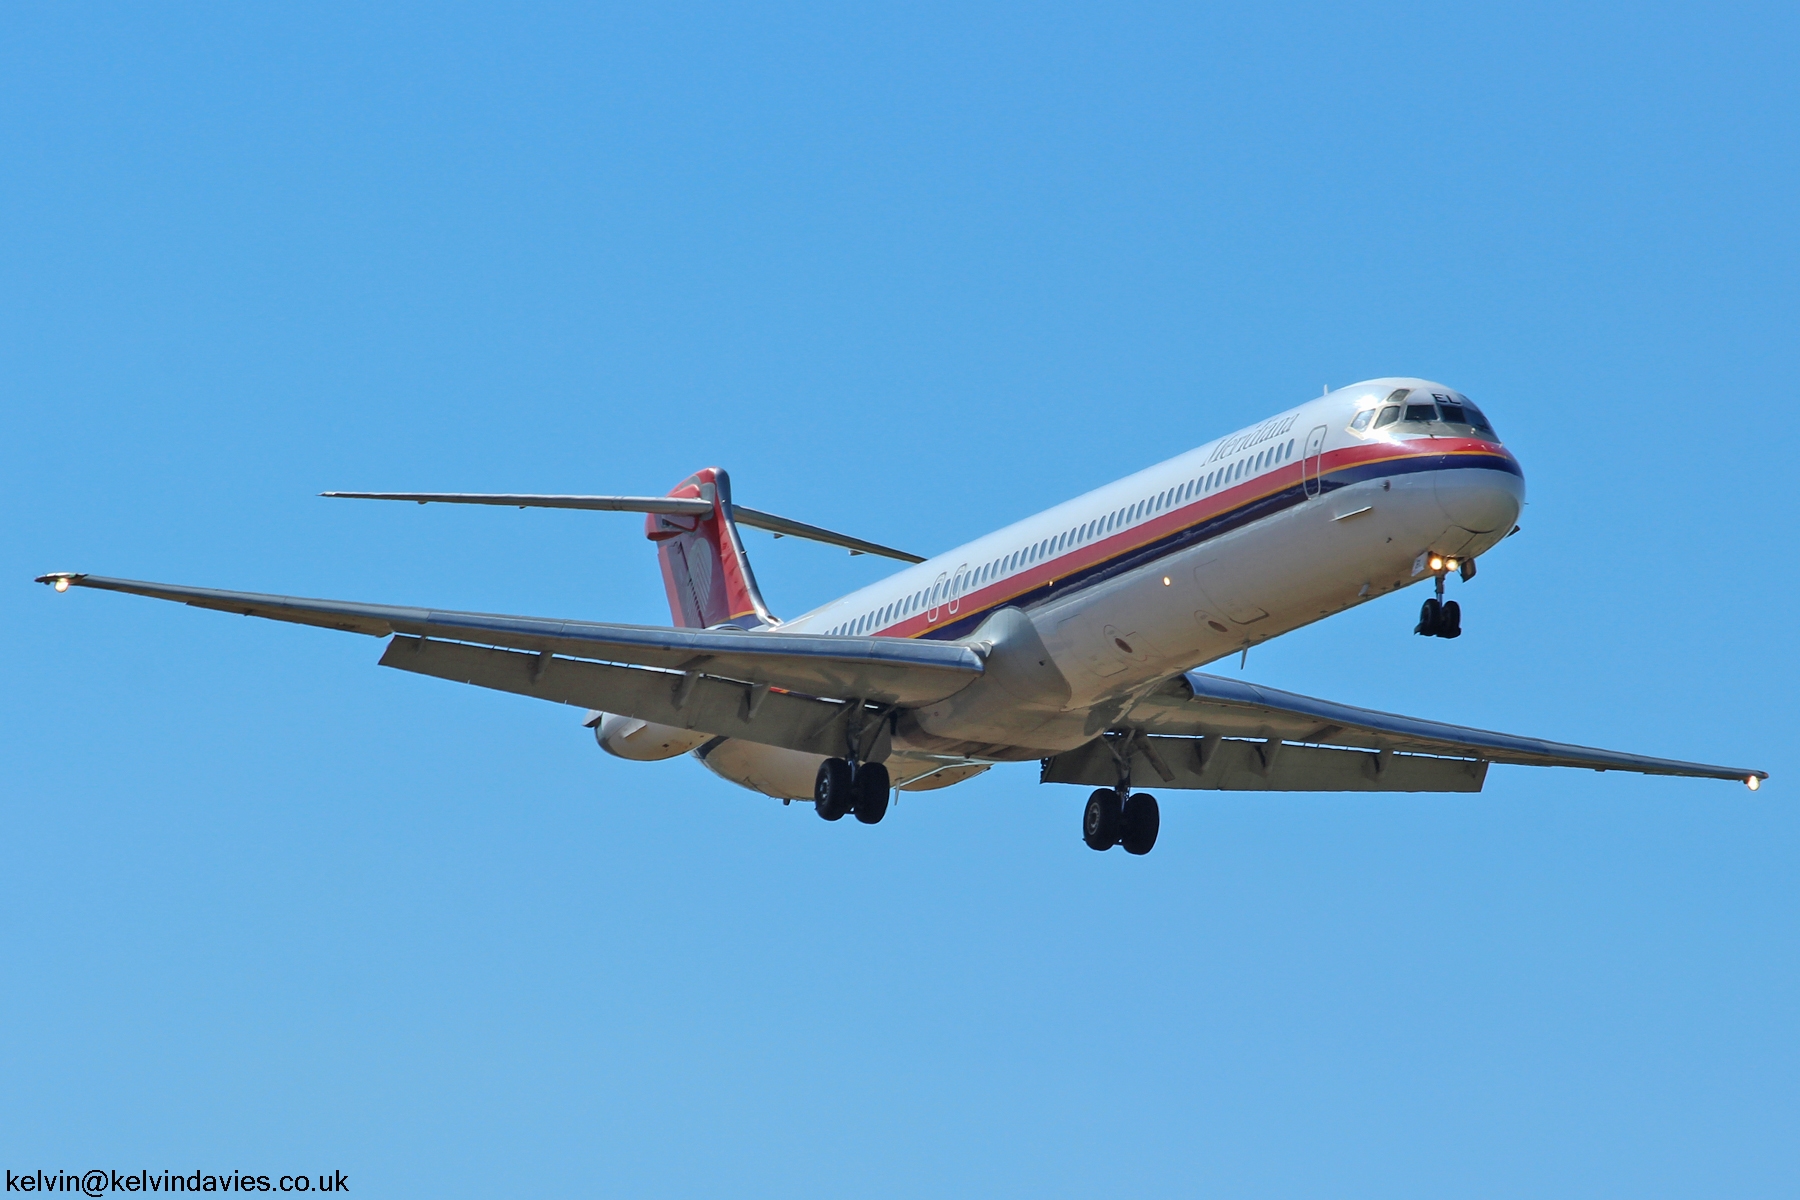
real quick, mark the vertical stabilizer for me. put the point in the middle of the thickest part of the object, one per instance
(704, 566)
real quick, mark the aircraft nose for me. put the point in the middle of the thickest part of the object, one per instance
(1481, 501)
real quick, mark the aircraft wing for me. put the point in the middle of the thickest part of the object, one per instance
(1204, 731)
(892, 671)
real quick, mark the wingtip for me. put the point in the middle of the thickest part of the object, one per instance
(60, 580)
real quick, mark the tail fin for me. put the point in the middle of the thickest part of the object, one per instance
(704, 565)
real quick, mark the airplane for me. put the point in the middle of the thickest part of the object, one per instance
(1071, 638)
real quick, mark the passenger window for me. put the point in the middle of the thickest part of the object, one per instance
(1362, 419)
(1389, 415)
(1421, 412)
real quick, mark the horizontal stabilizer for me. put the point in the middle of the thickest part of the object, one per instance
(670, 505)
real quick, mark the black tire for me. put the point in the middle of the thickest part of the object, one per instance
(1450, 620)
(1429, 615)
(1100, 820)
(1139, 823)
(871, 793)
(832, 789)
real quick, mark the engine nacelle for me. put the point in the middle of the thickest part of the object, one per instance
(644, 741)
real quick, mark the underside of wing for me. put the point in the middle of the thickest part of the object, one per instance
(1201, 730)
(706, 703)
(889, 671)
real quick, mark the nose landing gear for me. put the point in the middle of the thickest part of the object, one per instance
(1439, 617)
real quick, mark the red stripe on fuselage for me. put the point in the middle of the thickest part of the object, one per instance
(1194, 512)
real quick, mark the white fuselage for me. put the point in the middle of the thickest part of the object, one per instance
(1245, 538)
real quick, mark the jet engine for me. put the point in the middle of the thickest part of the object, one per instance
(643, 741)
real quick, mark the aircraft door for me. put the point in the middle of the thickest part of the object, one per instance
(958, 585)
(935, 598)
(1312, 465)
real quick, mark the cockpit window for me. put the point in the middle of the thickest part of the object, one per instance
(1452, 413)
(1362, 420)
(1478, 419)
(1421, 412)
(1398, 394)
(1389, 415)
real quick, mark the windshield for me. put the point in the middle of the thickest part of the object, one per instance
(1436, 408)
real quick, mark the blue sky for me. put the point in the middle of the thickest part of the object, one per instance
(913, 274)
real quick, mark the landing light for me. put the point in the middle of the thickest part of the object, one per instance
(1436, 564)
(1752, 782)
(62, 585)
(1165, 581)
(1449, 564)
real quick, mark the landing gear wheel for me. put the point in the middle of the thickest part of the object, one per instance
(871, 790)
(832, 794)
(1139, 823)
(1450, 620)
(1429, 616)
(1100, 820)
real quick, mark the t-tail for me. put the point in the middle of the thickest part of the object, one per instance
(704, 566)
(695, 528)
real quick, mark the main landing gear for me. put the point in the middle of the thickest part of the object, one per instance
(1439, 617)
(1115, 817)
(844, 787)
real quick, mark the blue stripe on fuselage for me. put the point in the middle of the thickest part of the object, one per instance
(1216, 526)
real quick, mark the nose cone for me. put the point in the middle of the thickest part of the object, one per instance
(1480, 500)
